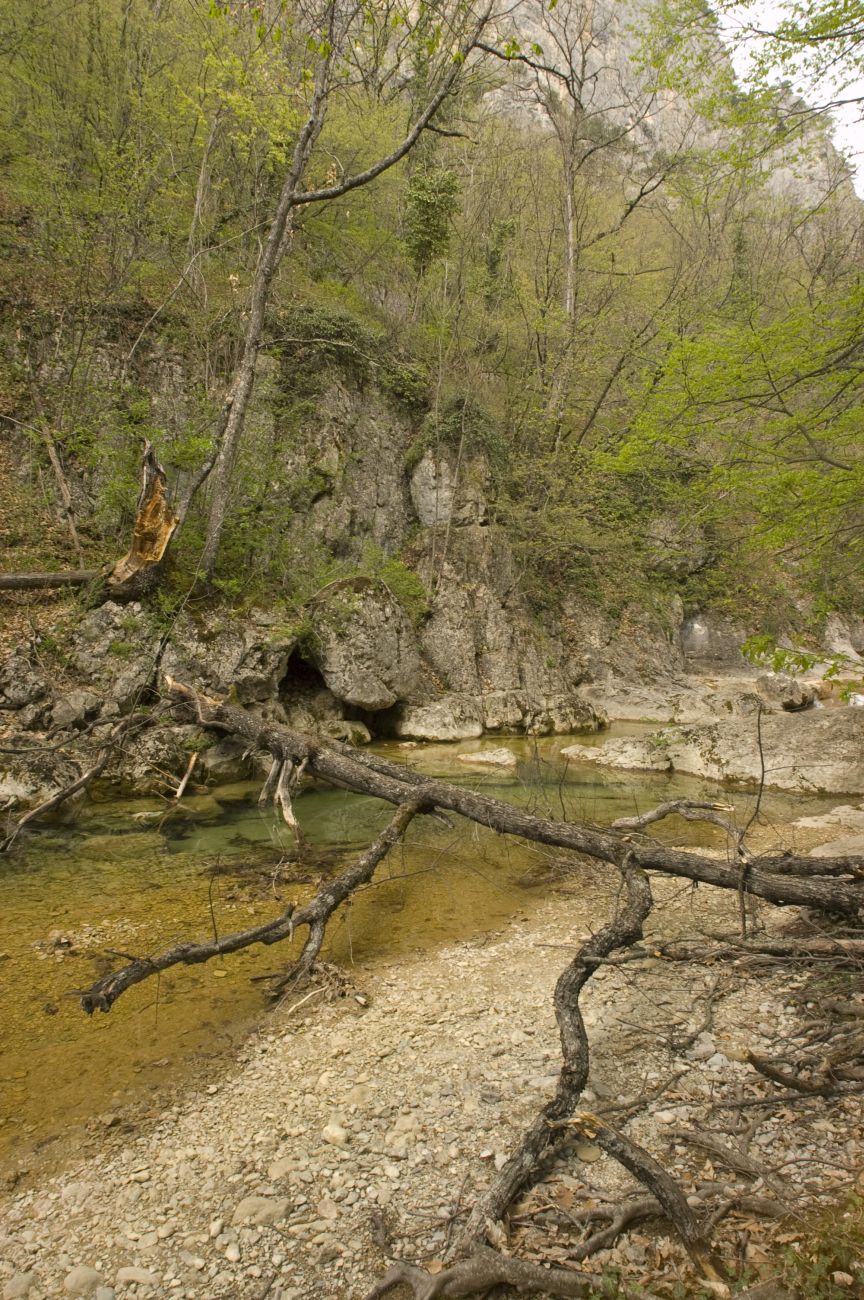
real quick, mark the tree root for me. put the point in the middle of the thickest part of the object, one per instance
(482, 1270)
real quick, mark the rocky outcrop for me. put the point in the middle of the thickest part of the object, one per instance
(364, 646)
(820, 750)
(710, 641)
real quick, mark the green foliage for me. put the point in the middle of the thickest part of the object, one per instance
(462, 425)
(310, 339)
(407, 381)
(764, 651)
(430, 205)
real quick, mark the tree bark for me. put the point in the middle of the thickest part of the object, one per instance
(35, 581)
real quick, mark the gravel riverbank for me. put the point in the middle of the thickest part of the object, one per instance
(275, 1176)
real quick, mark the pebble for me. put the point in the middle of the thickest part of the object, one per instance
(261, 1209)
(141, 1276)
(335, 1134)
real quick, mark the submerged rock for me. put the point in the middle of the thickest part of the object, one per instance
(490, 758)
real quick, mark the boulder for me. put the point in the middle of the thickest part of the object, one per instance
(22, 681)
(628, 753)
(75, 709)
(218, 652)
(365, 647)
(779, 690)
(115, 649)
(452, 717)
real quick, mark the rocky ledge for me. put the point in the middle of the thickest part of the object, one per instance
(817, 751)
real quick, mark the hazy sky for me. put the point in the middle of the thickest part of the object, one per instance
(849, 132)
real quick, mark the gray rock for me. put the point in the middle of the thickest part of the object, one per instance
(453, 717)
(218, 652)
(104, 1293)
(82, 1280)
(820, 750)
(114, 649)
(260, 1210)
(439, 496)
(22, 681)
(365, 647)
(75, 709)
(779, 690)
(712, 641)
(18, 1285)
(627, 753)
(846, 846)
(489, 758)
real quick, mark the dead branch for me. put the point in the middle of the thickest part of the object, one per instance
(620, 1217)
(485, 1269)
(105, 992)
(738, 1161)
(124, 728)
(691, 810)
(788, 1080)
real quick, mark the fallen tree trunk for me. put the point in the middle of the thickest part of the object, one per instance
(370, 774)
(34, 581)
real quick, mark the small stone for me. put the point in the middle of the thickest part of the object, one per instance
(82, 1280)
(588, 1152)
(141, 1276)
(18, 1286)
(261, 1209)
(104, 1293)
(335, 1134)
(232, 1252)
(842, 1279)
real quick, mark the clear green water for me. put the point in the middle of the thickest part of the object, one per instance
(129, 879)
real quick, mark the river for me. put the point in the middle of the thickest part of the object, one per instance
(137, 876)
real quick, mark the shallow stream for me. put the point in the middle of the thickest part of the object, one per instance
(139, 876)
